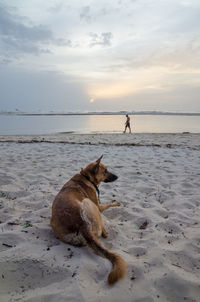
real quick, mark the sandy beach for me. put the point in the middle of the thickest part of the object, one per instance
(156, 229)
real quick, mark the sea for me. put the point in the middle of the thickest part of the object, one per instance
(12, 124)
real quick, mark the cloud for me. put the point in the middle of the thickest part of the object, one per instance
(85, 14)
(103, 39)
(34, 90)
(154, 44)
(57, 7)
(16, 37)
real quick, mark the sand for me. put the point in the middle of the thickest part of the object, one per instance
(159, 189)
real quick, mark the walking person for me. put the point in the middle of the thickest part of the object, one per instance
(127, 124)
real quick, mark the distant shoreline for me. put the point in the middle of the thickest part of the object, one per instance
(101, 113)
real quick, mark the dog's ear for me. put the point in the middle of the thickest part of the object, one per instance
(96, 166)
(99, 159)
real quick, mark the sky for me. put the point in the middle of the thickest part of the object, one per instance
(75, 55)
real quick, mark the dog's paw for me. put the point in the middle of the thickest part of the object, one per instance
(104, 234)
(116, 204)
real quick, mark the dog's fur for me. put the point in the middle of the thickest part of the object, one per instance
(76, 214)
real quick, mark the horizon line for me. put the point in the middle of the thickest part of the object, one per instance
(121, 112)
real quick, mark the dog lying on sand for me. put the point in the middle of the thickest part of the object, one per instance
(76, 214)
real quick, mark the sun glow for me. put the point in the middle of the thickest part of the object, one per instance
(91, 100)
(144, 79)
(111, 90)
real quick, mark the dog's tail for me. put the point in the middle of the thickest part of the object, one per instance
(119, 265)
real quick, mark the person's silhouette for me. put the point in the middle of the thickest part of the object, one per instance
(127, 124)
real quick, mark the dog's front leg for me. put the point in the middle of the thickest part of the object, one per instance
(103, 207)
(104, 233)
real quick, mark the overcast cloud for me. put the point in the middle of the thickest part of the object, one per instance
(126, 55)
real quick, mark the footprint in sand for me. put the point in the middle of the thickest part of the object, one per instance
(29, 274)
(176, 288)
(169, 227)
(137, 251)
(9, 240)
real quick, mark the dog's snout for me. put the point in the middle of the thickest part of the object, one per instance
(110, 177)
(115, 177)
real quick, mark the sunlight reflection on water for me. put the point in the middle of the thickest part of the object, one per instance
(42, 124)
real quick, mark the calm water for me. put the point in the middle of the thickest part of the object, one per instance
(97, 123)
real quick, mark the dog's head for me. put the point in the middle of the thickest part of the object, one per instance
(97, 172)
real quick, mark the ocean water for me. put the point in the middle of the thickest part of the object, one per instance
(46, 124)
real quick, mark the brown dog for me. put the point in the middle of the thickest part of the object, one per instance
(76, 214)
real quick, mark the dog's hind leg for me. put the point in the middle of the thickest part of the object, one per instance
(103, 207)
